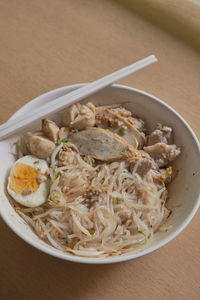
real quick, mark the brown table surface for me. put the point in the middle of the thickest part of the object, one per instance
(49, 44)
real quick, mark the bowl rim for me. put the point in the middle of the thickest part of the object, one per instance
(130, 256)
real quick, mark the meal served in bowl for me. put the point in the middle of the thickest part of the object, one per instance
(95, 186)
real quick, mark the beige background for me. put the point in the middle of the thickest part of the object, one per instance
(48, 44)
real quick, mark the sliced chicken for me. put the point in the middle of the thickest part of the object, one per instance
(38, 145)
(80, 116)
(109, 119)
(162, 134)
(162, 153)
(103, 145)
(50, 129)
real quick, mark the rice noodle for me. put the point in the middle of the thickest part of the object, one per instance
(76, 224)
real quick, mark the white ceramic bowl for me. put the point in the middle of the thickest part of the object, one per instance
(184, 190)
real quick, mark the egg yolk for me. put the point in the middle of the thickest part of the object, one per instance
(24, 177)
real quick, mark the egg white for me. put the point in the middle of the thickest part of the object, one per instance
(40, 195)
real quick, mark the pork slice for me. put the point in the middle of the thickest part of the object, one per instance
(137, 123)
(142, 166)
(122, 112)
(126, 114)
(163, 153)
(162, 134)
(103, 145)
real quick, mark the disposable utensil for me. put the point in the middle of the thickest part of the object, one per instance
(17, 124)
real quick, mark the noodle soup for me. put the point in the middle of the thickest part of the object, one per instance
(95, 183)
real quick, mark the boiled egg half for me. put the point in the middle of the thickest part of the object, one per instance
(27, 183)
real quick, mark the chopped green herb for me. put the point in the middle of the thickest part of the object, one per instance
(58, 174)
(140, 130)
(93, 162)
(57, 155)
(120, 199)
(64, 140)
(58, 142)
(122, 132)
(67, 239)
